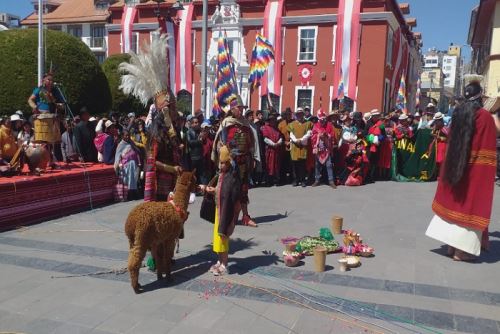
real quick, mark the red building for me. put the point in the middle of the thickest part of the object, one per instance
(365, 46)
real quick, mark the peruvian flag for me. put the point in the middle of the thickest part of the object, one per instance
(273, 32)
(347, 48)
(127, 23)
(184, 51)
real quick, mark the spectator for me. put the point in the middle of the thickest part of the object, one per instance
(26, 135)
(127, 163)
(83, 138)
(99, 139)
(8, 143)
(196, 149)
(109, 146)
(68, 150)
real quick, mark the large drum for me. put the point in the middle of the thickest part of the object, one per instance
(47, 128)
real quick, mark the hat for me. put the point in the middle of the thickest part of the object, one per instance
(236, 102)
(224, 154)
(20, 113)
(367, 116)
(205, 124)
(131, 114)
(321, 114)
(333, 112)
(345, 117)
(403, 117)
(299, 110)
(307, 107)
(431, 105)
(189, 118)
(248, 111)
(417, 114)
(437, 116)
(374, 112)
(108, 124)
(15, 117)
(92, 119)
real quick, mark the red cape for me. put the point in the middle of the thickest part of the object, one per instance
(469, 203)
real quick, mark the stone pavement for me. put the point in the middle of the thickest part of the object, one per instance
(65, 276)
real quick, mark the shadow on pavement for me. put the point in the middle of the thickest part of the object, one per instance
(192, 266)
(270, 218)
(490, 256)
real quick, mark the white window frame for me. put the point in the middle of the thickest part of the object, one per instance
(283, 43)
(334, 43)
(311, 88)
(390, 45)
(315, 28)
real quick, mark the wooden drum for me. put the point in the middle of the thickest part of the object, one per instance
(47, 129)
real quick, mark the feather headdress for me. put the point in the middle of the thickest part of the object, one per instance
(146, 74)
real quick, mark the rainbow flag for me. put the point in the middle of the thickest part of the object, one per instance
(225, 85)
(262, 56)
(341, 89)
(401, 98)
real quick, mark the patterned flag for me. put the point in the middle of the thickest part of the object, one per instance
(341, 89)
(417, 96)
(225, 82)
(262, 56)
(401, 98)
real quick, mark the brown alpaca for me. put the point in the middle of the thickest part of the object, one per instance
(155, 226)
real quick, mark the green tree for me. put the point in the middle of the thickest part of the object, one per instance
(121, 102)
(74, 66)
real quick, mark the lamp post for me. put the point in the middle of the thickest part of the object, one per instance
(204, 59)
(40, 42)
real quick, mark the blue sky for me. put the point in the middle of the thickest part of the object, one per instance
(441, 21)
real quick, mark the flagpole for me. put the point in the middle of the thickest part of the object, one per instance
(204, 60)
(40, 42)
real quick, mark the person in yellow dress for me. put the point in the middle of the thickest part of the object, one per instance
(300, 133)
(227, 198)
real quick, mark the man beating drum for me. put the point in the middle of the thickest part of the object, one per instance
(46, 102)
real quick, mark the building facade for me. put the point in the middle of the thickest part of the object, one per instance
(9, 21)
(84, 19)
(484, 37)
(305, 74)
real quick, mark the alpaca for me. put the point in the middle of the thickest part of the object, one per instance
(155, 226)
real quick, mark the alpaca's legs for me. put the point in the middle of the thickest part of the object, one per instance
(135, 257)
(157, 252)
(169, 254)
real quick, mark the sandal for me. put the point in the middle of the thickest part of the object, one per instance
(220, 270)
(215, 267)
(247, 221)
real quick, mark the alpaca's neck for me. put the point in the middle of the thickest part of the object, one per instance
(181, 197)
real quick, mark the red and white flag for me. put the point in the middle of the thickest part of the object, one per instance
(128, 18)
(184, 51)
(273, 33)
(347, 48)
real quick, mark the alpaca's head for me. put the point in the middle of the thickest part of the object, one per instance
(186, 181)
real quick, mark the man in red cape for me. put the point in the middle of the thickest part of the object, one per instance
(464, 196)
(273, 140)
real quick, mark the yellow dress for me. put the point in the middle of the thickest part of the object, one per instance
(221, 245)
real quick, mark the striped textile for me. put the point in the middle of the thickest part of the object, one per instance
(32, 199)
(128, 18)
(184, 50)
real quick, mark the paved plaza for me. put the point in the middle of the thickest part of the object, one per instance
(66, 275)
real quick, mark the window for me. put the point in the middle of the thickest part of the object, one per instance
(390, 42)
(135, 42)
(75, 31)
(97, 38)
(334, 42)
(184, 102)
(101, 5)
(264, 102)
(304, 97)
(58, 28)
(307, 44)
(100, 57)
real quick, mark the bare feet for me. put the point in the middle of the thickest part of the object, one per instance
(247, 221)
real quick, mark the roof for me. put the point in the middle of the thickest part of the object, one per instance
(120, 3)
(70, 11)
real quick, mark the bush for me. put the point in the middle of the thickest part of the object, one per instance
(121, 102)
(74, 66)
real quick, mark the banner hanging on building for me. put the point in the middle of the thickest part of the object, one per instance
(272, 30)
(347, 48)
(184, 50)
(128, 18)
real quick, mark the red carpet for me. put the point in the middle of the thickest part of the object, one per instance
(32, 199)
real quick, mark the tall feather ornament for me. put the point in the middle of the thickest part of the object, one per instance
(146, 74)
